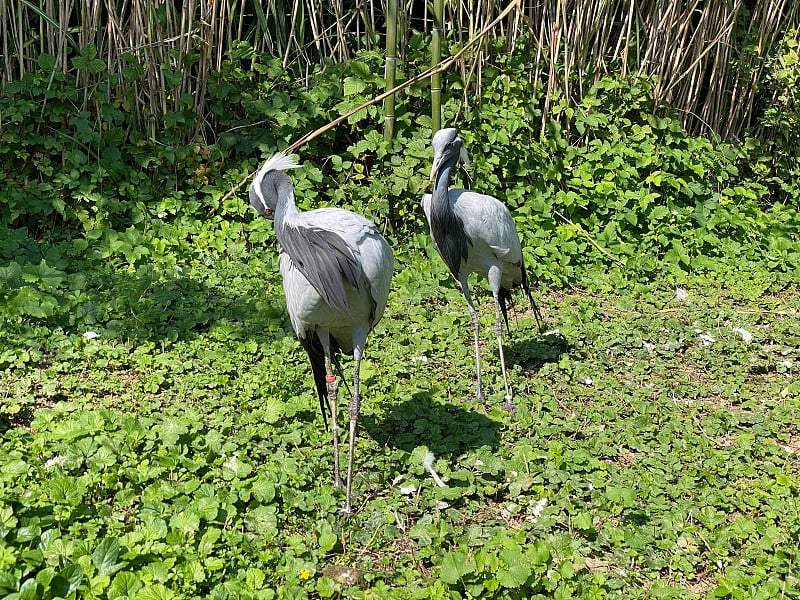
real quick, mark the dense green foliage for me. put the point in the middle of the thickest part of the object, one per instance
(158, 432)
(621, 173)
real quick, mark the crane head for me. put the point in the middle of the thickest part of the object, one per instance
(446, 145)
(264, 195)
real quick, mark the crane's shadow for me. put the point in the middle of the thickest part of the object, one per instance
(450, 428)
(533, 353)
(445, 428)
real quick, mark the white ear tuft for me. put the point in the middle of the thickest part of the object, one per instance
(277, 162)
(280, 162)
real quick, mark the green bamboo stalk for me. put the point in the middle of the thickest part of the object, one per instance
(436, 57)
(20, 44)
(262, 41)
(391, 67)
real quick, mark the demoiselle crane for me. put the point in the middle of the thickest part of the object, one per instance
(475, 233)
(336, 269)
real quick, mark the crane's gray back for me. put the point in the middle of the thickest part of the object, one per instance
(332, 247)
(324, 258)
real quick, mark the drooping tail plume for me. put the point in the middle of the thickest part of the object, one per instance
(316, 356)
(527, 287)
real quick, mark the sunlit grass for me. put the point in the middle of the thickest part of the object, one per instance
(644, 457)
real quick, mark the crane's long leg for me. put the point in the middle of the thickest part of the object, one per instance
(476, 328)
(498, 332)
(353, 411)
(333, 391)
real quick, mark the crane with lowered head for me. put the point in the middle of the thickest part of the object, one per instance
(336, 269)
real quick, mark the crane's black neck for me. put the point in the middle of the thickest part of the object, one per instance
(447, 228)
(441, 185)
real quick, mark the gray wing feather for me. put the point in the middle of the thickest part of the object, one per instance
(325, 260)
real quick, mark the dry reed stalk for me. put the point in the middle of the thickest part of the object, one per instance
(340, 49)
(314, 22)
(436, 57)
(701, 67)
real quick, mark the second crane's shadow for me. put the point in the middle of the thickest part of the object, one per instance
(444, 428)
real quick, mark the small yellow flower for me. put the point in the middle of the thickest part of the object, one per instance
(305, 574)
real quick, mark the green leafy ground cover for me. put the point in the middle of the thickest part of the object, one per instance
(180, 453)
(159, 437)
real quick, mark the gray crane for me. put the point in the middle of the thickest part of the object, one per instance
(475, 233)
(336, 269)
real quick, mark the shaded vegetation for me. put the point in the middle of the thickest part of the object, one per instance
(710, 57)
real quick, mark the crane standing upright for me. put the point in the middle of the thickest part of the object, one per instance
(336, 269)
(475, 233)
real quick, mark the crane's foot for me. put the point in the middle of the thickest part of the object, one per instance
(346, 511)
(481, 396)
(510, 406)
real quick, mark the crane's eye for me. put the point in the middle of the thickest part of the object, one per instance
(448, 145)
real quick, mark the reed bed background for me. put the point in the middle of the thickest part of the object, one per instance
(709, 55)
